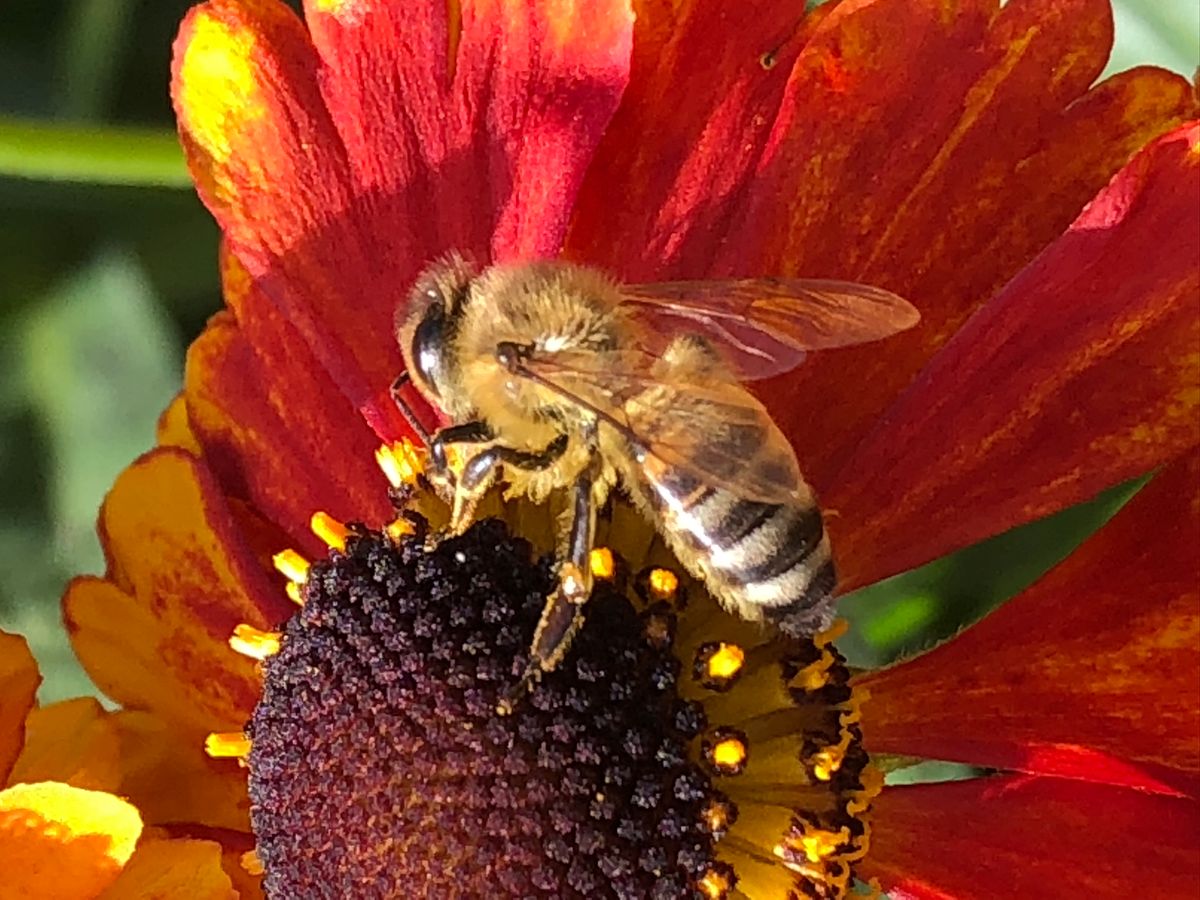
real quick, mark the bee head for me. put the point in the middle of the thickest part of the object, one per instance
(427, 324)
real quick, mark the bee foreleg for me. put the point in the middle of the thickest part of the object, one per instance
(480, 471)
(440, 471)
(405, 410)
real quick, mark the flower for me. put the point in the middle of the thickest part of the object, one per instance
(64, 831)
(1056, 357)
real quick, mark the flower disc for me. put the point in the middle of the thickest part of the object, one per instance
(380, 763)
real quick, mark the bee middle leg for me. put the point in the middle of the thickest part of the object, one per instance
(562, 616)
(563, 613)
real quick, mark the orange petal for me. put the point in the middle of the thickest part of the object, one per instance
(174, 430)
(19, 680)
(247, 884)
(172, 780)
(933, 148)
(1080, 374)
(63, 843)
(292, 445)
(154, 633)
(74, 742)
(1032, 837)
(164, 772)
(173, 870)
(1091, 673)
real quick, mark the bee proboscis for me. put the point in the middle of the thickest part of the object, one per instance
(555, 378)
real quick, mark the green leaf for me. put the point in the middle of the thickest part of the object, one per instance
(99, 361)
(1158, 32)
(912, 612)
(93, 44)
(96, 155)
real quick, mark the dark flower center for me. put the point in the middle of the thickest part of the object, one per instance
(380, 767)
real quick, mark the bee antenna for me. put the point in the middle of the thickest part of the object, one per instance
(410, 417)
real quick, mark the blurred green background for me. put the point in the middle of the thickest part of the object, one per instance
(108, 270)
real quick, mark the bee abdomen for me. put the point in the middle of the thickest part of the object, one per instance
(785, 538)
(814, 611)
(767, 561)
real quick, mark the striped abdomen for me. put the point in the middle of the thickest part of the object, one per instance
(764, 561)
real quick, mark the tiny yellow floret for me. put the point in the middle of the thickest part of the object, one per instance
(249, 641)
(251, 864)
(726, 662)
(329, 530)
(400, 462)
(400, 528)
(663, 584)
(729, 754)
(291, 565)
(836, 629)
(227, 745)
(826, 763)
(601, 562)
(714, 885)
(819, 844)
(716, 816)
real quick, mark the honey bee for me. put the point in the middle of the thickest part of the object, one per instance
(556, 378)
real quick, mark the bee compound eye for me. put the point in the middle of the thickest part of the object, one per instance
(427, 350)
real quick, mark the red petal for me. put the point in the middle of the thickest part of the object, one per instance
(340, 226)
(275, 429)
(932, 149)
(153, 634)
(268, 163)
(490, 163)
(1080, 374)
(687, 135)
(1093, 673)
(1032, 837)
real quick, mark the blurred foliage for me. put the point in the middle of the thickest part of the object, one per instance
(108, 270)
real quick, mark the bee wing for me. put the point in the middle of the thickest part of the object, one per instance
(764, 326)
(716, 432)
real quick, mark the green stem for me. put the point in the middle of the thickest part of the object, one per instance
(51, 151)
